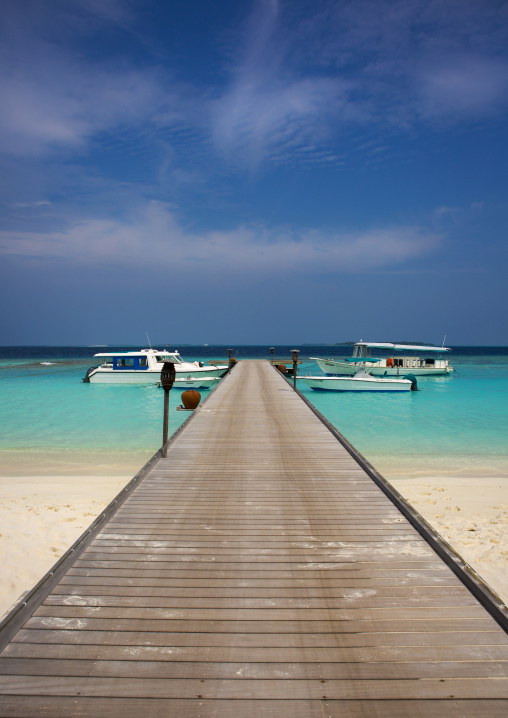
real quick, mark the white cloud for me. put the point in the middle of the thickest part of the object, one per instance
(54, 94)
(63, 105)
(466, 85)
(153, 237)
(257, 119)
(32, 205)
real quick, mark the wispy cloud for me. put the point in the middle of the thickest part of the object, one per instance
(32, 205)
(300, 79)
(454, 86)
(154, 236)
(270, 109)
(56, 96)
(62, 106)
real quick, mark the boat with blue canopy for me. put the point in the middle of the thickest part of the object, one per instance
(144, 367)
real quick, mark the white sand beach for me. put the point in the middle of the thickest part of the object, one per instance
(471, 514)
(41, 516)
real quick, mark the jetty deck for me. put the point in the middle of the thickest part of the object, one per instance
(258, 570)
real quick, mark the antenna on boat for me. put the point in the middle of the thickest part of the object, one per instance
(148, 340)
(444, 340)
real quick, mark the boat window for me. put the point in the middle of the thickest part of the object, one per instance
(142, 361)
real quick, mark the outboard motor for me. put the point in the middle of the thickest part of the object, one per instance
(412, 379)
(86, 379)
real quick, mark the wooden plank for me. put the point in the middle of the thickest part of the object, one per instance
(252, 689)
(97, 648)
(280, 608)
(63, 707)
(173, 670)
(487, 636)
(63, 591)
(173, 623)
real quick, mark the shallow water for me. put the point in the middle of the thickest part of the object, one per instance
(52, 422)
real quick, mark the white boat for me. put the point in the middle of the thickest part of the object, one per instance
(361, 381)
(386, 359)
(144, 367)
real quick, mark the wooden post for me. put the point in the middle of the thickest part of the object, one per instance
(165, 424)
(168, 374)
(230, 351)
(272, 349)
(295, 365)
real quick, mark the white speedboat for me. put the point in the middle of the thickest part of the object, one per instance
(361, 381)
(144, 367)
(386, 359)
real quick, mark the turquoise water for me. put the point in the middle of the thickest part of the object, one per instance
(52, 422)
(51, 418)
(455, 424)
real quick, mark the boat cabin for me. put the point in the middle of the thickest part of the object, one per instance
(136, 361)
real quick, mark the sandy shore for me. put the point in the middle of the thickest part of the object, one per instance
(40, 518)
(471, 514)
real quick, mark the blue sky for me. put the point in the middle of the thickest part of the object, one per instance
(266, 171)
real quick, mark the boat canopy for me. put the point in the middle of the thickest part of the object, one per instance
(402, 347)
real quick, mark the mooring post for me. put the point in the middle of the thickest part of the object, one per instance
(272, 349)
(295, 364)
(167, 379)
(230, 351)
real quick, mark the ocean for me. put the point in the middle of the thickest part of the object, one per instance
(52, 423)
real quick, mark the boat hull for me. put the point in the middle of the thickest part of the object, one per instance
(339, 368)
(189, 381)
(337, 383)
(197, 382)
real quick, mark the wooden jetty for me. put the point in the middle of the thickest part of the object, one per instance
(262, 570)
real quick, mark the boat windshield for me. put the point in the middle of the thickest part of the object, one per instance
(175, 358)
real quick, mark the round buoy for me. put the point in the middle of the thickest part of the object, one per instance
(233, 360)
(191, 398)
(281, 368)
